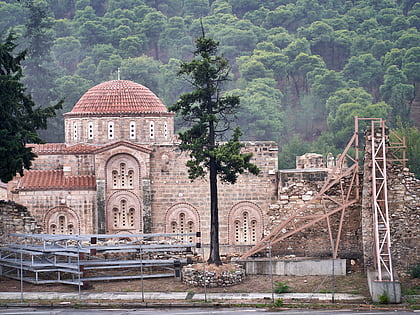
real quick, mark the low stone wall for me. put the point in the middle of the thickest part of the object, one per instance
(199, 277)
(15, 218)
(297, 267)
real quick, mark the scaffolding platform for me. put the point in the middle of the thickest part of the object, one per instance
(78, 259)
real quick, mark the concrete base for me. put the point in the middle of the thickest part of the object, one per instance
(385, 289)
(303, 267)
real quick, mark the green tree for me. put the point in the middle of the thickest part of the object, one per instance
(154, 24)
(412, 141)
(208, 112)
(19, 120)
(397, 93)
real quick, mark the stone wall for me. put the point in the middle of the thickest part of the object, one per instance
(15, 218)
(81, 204)
(198, 276)
(173, 192)
(404, 209)
(314, 241)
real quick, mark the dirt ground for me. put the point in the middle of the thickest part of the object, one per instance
(354, 283)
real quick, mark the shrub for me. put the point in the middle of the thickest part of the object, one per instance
(281, 287)
(383, 298)
(415, 271)
(278, 303)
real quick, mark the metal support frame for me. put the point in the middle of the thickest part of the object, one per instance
(75, 259)
(301, 218)
(381, 224)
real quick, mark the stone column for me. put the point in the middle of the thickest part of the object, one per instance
(100, 203)
(147, 206)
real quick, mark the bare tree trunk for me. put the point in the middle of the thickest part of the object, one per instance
(214, 257)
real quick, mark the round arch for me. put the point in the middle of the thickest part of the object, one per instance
(245, 223)
(61, 220)
(182, 218)
(124, 213)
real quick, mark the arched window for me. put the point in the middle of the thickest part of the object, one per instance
(111, 130)
(61, 220)
(132, 130)
(90, 130)
(123, 218)
(75, 133)
(245, 224)
(181, 226)
(183, 219)
(62, 225)
(122, 178)
(152, 130)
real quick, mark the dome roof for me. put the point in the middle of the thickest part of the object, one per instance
(118, 97)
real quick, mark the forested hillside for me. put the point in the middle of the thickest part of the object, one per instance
(302, 68)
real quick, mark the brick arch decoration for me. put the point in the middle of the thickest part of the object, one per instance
(174, 212)
(254, 218)
(52, 217)
(133, 164)
(132, 201)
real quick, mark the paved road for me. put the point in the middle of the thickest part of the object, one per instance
(190, 311)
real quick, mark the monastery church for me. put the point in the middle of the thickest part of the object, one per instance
(120, 170)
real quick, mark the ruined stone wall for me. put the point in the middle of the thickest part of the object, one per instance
(15, 218)
(404, 210)
(314, 241)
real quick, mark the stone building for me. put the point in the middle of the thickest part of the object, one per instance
(120, 170)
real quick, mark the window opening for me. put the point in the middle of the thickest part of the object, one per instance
(61, 223)
(152, 130)
(131, 178)
(111, 130)
(173, 227)
(75, 135)
(90, 130)
(131, 217)
(165, 130)
(253, 231)
(122, 172)
(181, 225)
(132, 130)
(245, 227)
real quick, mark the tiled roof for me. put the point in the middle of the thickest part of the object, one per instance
(61, 148)
(55, 180)
(47, 148)
(118, 97)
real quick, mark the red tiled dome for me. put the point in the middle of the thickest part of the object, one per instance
(118, 97)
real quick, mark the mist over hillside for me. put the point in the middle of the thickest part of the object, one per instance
(302, 68)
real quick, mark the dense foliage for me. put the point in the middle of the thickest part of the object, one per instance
(301, 67)
(19, 116)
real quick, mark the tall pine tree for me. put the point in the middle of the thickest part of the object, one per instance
(210, 115)
(19, 119)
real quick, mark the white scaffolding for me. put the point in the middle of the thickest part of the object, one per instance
(78, 259)
(381, 224)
